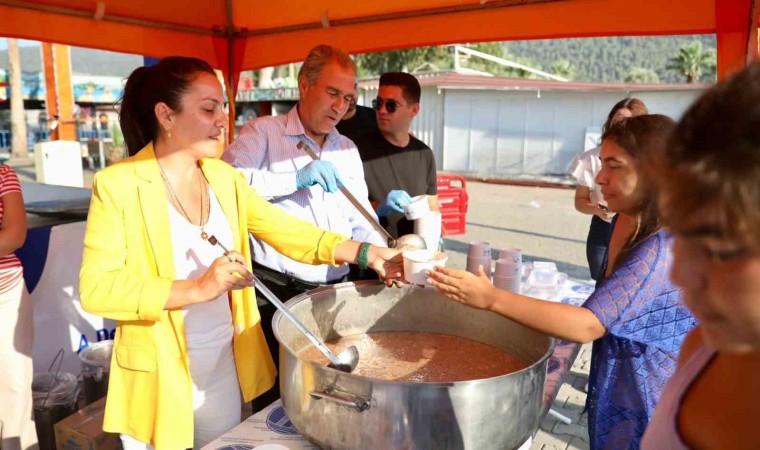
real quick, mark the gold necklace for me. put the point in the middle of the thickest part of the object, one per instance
(202, 223)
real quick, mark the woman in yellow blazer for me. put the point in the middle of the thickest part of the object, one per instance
(150, 216)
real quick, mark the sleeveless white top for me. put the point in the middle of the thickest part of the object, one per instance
(208, 326)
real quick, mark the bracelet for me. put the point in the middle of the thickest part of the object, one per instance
(363, 253)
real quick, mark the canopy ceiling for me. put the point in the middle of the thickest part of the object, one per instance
(264, 33)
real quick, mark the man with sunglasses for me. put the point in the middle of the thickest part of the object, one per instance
(397, 166)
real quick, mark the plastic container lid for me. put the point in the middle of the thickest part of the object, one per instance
(63, 389)
(98, 354)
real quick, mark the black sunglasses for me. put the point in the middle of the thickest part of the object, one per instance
(390, 105)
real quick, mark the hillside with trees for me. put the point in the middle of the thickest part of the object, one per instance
(657, 59)
(614, 58)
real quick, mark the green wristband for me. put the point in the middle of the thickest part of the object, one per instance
(363, 253)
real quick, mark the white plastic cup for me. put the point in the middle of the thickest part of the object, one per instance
(429, 228)
(418, 262)
(510, 284)
(473, 263)
(428, 225)
(479, 250)
(431, 242)
(419, 207)
(507, 268)
(513, 253)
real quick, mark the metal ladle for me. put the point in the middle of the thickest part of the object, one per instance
(346, 361)
(413, 240)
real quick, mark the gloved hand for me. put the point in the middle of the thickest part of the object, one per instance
(394, 201)
(319, 172)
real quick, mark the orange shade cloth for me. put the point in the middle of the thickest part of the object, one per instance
(266, 33)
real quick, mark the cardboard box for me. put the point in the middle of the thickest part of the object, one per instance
(83, 430)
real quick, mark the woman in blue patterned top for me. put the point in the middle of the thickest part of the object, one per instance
(635, 317)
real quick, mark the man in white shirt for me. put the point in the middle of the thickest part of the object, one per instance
(267, 152)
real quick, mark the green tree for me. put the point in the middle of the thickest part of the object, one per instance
(439, 58)
(375, 64)
(498, 50)
(564, 69)
(691, 60)
(641, 75)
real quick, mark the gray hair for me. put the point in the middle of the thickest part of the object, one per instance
(319, 57)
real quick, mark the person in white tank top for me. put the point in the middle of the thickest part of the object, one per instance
(710, 198)
(166, 255)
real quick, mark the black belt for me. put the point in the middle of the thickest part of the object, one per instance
(282, 279)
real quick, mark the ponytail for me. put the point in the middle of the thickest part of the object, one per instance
(137, 125)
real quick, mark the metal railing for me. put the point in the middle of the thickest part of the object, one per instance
(33, 137)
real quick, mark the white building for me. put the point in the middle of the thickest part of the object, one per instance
(496, 127)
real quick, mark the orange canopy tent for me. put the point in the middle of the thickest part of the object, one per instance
(234, 35)
(247, 34)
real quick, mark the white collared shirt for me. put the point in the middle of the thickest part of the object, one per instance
(266, 153)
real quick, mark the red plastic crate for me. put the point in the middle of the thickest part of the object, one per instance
(452, 198)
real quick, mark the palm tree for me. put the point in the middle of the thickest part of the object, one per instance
(641, 75)
(19, 146)
(691, 60)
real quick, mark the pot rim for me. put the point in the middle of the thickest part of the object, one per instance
(308, 294)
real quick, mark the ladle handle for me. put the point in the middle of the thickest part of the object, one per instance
(359, 207)
(287, 313)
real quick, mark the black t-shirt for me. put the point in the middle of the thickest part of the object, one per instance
(363, 122)
(387, 167)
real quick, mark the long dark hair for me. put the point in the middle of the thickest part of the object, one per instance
(634, 105)
(645, 139)
(165, 82)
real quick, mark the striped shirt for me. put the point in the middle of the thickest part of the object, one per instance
(266, 153)
(10, 266)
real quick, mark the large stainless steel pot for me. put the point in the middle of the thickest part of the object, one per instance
(337, 410)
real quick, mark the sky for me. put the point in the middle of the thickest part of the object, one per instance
(21, 43)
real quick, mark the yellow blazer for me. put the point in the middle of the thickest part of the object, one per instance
(126, 275)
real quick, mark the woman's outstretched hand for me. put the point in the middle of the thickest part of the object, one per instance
(464, 287)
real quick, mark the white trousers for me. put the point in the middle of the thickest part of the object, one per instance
(16, 335)
(217, 399)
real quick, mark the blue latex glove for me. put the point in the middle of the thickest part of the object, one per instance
(319, 172)
(394, 201)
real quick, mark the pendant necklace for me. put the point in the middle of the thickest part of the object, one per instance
(202, 223)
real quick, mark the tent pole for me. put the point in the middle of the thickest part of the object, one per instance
(735, 20)
(231, 73)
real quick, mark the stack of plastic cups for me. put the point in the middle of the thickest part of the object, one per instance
(479, 254)
(508, 270)
(429, 228)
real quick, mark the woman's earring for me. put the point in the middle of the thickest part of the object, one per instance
(169, 132)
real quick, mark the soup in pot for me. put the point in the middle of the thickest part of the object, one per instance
(422, 357)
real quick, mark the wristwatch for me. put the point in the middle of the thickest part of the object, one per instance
(363, 255)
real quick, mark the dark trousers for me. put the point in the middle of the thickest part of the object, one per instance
(285, 288)
(596, 245)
